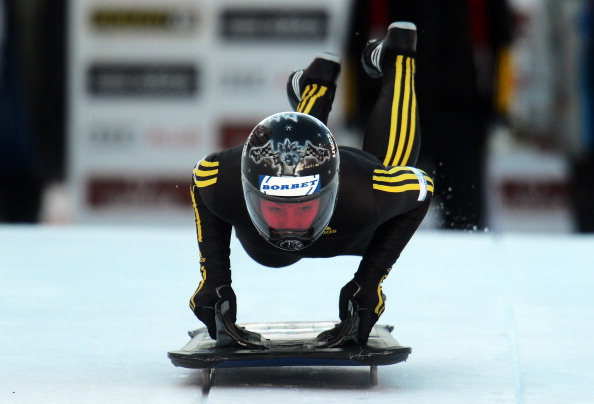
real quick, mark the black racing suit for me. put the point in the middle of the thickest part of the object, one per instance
(381, 201)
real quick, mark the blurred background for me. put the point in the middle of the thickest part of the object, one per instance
(105, 105)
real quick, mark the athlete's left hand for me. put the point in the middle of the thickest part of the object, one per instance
(371, 301)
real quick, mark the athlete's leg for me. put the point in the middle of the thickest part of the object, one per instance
(393, 133)
(312, 90)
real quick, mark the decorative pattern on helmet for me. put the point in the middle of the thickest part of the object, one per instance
(290, 157)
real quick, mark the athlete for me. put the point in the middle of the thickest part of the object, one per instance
(290, 192)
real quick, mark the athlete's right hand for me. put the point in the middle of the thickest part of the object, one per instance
(206, 299)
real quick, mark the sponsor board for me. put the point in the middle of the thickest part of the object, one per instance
(112, 136)
(157, 19)
(281, 24)
(242, 80)
(137, 192)
(163, 137)
(127, 138)
(126, 79)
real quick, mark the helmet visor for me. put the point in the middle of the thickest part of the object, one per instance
(298, 216)
(291, 222)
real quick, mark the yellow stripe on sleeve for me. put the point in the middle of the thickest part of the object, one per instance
(196, 216)
(204, 172)
(192, 299)
(205, 183)
(381, 306)
(205, 163)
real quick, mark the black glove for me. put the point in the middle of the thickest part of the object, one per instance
(206, 299)
(371, 301)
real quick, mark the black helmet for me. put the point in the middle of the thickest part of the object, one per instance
(289, 169)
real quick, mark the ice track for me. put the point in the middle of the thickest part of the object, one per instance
(87, 315)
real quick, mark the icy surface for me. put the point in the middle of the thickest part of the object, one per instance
(87, 315)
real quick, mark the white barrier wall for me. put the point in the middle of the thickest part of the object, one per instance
(154, 86)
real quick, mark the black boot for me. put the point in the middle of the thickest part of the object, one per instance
(401, 40)
(324, 70)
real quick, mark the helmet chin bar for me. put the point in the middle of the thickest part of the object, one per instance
(291, 241)
(290, 245)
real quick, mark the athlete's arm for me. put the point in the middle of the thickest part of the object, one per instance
(403, 195)
(214, 237)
